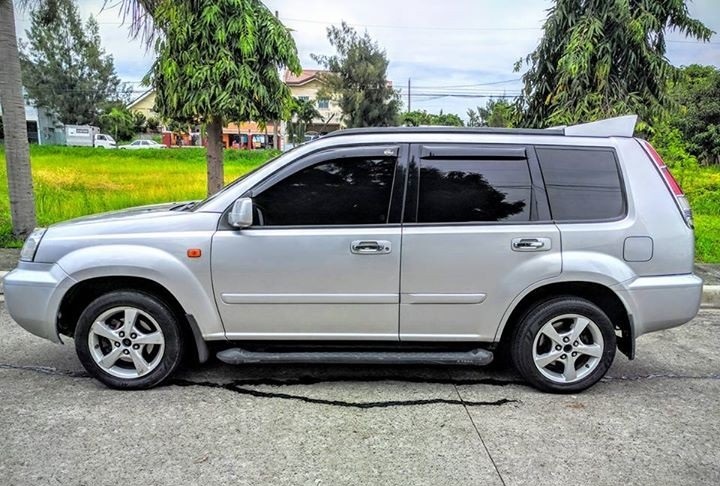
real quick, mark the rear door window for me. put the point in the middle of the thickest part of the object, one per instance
(582, 184)
(460, 188)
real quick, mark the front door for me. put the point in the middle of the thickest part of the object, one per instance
(322, 258)
(477, 233)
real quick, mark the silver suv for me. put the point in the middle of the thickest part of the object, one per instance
(417, 245)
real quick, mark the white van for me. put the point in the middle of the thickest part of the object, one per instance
(87, 136)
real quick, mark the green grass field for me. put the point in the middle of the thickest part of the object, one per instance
(75, 181)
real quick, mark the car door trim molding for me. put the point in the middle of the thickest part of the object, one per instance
(442, 298)
(232, 298)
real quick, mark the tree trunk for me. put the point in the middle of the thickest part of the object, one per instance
(215, 148)
(17, 148)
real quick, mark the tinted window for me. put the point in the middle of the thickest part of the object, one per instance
(346, 191)
(455, 191)
(582, 184)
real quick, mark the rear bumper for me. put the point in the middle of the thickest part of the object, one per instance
(657, 303)
(33, 292)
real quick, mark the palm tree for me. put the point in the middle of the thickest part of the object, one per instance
(17, 148)
(117, 118)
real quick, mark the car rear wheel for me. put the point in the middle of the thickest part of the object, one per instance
(129, 340)
(564, 345)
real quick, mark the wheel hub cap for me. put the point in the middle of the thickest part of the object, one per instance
(122, 356)
(568, 348)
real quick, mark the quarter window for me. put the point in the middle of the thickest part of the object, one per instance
(347, 191)
(582, 184)
(483, 190)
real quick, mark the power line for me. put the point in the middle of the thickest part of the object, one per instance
(469, 85)
(410, 27)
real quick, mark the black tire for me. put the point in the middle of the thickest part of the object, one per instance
(523, 339)
(166, 320)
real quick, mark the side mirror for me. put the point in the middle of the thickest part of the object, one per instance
(241, 213)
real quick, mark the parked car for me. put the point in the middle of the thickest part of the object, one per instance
(142, 144)
(414, 245)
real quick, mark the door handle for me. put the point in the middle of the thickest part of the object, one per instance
(531, 244)
(370, 247)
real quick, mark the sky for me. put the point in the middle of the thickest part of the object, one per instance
(461, 47)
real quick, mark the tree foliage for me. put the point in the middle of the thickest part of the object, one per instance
(302, 114)
(423, 118)
(65, 68)
(496, 113)
(696, 111)
(218, 61)
(600, 58)
(118, 121)
(358, 79)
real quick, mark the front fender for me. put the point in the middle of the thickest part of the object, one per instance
(189, 281)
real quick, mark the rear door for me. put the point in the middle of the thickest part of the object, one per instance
(322, 258)
(476, 233)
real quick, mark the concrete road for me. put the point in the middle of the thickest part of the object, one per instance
(655, 420)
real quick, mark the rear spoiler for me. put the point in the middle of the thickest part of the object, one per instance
(621, 126)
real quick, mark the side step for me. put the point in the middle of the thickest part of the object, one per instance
(475, 357)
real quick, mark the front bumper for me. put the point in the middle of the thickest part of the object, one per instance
(658, 303)
(33, 292)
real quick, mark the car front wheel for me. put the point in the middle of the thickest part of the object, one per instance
(128, 340)
(564, 345)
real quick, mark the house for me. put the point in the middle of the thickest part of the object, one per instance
(145, 104)
(306, 87)
(43, 128)
(247, 135)
(251, 134)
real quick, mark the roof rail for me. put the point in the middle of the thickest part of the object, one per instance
(621, 126)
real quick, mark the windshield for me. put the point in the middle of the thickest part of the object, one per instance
(237, 181)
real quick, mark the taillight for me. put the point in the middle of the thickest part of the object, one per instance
(670, 182)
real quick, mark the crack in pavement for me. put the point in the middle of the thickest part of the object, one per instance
(239, 386)
(338, 403)
(655, 376)
(47, 370)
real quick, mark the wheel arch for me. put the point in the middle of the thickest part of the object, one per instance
(82, 293)
(597, 293)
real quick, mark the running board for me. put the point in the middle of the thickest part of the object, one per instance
(475, 357)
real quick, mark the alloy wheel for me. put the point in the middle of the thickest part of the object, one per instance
(126, 342)
(568, 348)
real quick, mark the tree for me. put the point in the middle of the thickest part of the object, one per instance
(302, 114)
(118, 121)
(358, 79)
(696, 98)
(140, 122)
(65, 68)
(421, 117)
(218, 61)
(152, 124)
(17, 149)
(598, 59)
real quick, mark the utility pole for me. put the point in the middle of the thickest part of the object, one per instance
(409, 97)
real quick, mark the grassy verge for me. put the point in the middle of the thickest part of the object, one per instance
(75, 181)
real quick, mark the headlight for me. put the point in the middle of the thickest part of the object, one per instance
(27, 254)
